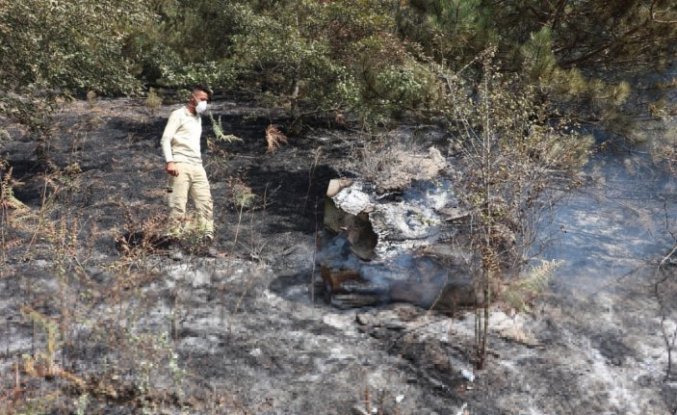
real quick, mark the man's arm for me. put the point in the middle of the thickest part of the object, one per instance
(173, 125)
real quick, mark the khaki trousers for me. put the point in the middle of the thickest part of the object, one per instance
(192, 179)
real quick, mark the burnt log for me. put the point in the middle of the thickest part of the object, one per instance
(374, 250)
(419, 280)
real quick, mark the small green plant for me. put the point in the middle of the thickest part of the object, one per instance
(81, 404)
(153, 101)
(91, 98)
(243, 196)
(512, 154)
(219, 133)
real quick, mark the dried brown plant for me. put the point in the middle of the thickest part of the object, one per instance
(274, 138)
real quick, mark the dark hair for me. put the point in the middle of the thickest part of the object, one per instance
(204, 89)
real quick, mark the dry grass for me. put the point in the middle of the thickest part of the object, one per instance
(274, 138)
(519, 294)
(7, 199)
(391, 165)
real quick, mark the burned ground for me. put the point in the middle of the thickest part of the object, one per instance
(87, 329)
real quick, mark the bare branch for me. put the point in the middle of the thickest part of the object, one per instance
(668, 256)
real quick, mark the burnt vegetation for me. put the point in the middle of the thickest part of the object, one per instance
(517, 89)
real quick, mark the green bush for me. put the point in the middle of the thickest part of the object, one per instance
(73, 45)
(371, 57)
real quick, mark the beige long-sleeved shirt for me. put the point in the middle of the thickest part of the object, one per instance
(181, 138)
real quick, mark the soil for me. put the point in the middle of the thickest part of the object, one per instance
(88, 328)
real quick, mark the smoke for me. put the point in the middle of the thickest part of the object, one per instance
(625, 216)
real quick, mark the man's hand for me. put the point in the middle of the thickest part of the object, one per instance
(172, 169)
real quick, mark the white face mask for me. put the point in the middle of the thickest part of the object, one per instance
(201, 107)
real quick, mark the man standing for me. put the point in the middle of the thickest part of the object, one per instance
(181, 149)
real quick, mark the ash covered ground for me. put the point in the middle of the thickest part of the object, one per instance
(86, 328)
